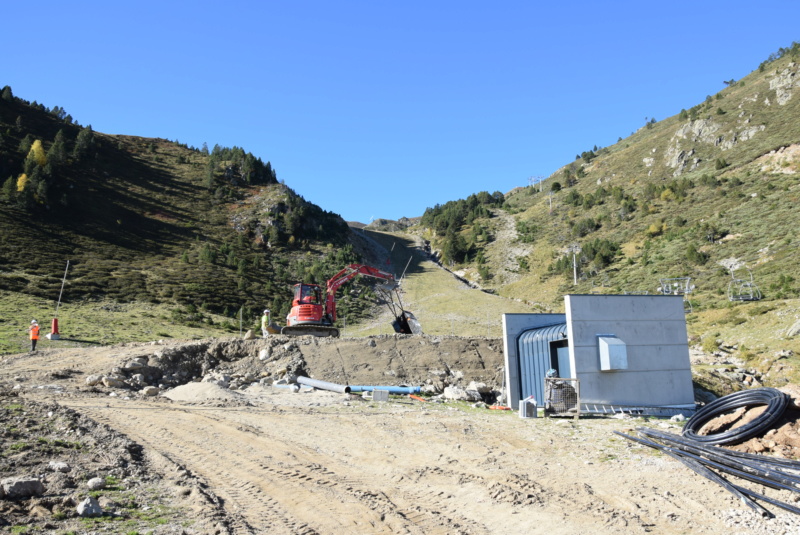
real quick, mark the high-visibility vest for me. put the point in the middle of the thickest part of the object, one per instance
(34, 332)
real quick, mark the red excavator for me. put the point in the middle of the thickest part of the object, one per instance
(314, 313)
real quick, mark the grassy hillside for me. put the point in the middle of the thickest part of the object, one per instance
(441, 303)
(202, 234)
(709, 194)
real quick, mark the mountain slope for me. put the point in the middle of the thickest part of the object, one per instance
(709, 195)
(205, 233)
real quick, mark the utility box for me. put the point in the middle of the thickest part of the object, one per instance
(527, 408)
(613, 353)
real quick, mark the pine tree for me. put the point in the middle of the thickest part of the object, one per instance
(10, 189)
(38, 186)
(7, 95)
(26, 144)
(57, 155)
(84, 142)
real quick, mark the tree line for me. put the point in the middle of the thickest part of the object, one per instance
(449, 219)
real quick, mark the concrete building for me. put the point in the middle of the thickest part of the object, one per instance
(626, 350)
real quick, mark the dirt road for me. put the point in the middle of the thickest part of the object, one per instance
(326, 463)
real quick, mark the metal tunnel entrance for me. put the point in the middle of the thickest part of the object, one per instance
(539, 350)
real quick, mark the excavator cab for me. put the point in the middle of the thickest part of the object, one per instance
(307, 294)
(306, 306)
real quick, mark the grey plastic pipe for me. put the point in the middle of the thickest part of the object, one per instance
(323, 385)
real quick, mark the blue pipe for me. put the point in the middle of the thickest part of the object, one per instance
(391, 389)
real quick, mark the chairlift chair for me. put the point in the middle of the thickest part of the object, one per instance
(743, 289)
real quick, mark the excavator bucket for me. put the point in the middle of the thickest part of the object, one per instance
(406, 323)
(416, 328)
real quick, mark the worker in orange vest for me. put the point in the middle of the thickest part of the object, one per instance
(34, 330)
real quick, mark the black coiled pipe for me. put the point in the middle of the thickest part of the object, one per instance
(775, 400)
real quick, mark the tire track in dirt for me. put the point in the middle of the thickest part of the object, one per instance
(259, 485)
(401, 512)
(225, 457)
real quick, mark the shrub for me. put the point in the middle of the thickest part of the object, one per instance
(709, 344)
(695, 256)
(655, 229)
(585, 226)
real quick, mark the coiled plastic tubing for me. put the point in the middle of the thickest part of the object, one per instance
(775, 400)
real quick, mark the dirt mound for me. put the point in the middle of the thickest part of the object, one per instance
(200, 392)
(389, 360)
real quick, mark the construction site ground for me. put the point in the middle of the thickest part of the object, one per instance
(266, 460)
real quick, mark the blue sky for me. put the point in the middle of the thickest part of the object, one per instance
(382, 109)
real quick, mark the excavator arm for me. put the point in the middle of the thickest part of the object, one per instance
(335, 282)
(356, 269)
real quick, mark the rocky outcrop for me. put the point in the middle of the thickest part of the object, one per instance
(681, 160)
(784, 83)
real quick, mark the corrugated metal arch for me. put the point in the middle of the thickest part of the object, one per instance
(533, 348)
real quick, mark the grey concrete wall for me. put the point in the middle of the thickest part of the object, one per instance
(513, 326)
(653, 328)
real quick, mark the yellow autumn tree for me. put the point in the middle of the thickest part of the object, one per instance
(22, 181)
(37, 153)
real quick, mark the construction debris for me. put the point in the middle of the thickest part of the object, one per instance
(726, 422)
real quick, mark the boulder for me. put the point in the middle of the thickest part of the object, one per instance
(219, 379)
(151, 391)
(93, 380)
(106, 503)
(22, 487)
(793, 391)
(89, 507)
(794, 330)
(473, 395)
(479, 387)
(137, 380)
(96, 483)
(431, 389)
(113, 382)
(249, 335)
(57, 466)
(455, 393)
